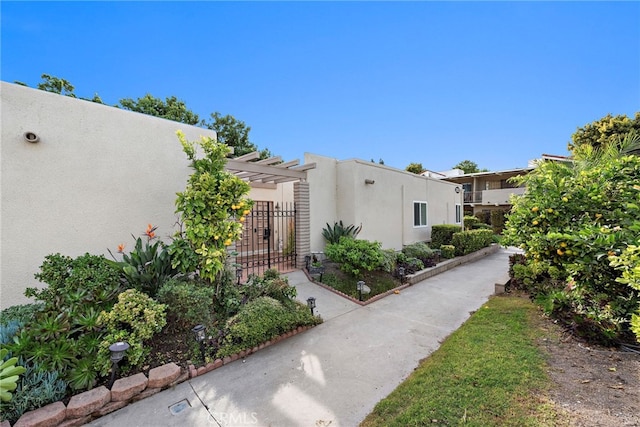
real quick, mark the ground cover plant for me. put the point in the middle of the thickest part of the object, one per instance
(488, 372)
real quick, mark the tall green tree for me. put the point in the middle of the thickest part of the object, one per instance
(415, 168)
(171, 108)
(469, 167)
(607, 130)
(232, 132)
(56, 85)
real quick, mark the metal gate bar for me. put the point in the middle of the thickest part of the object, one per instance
(268, 239)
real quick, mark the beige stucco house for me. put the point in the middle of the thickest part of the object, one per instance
(395, 207)
(78, 176)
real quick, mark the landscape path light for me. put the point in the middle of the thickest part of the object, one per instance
(199, 333)
(311, 303)
(401, 274)
(117, 354)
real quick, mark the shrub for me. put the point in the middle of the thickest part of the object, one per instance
(418, 250)
(574, 218)
(389, 260)
(448, 251)
(148, 265)
(354, 255)
(36, 388)
(497, 220)
(470, 222)
(260, 320)
(270, 285)
(63, 335)
(133, 319)
(472, 240)
(443, 234)
(411, 265)
(188, 302)
(333, 234)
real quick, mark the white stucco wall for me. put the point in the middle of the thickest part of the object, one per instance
(384, 208)
(98, 175)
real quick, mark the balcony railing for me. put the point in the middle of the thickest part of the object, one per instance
(492, 197)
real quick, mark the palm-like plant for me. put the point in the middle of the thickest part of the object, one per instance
(333, 234)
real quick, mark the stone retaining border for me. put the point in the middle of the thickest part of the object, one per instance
(100, 401)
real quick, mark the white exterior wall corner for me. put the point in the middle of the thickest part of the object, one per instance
(98, 175)
(323, 197)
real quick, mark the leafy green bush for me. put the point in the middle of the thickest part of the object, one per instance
(419, 250)
(270, 285)
(136, 317)
(497, 220)
(333, 234)
(148, 265)
(389, 260)
(411, 265)
(354, 255)
(260, 320)
(628, 262)
(575, 218)
(188, 302)
(466, 242)
(448, 251)
(36, 388)
(470, 222)
(442, 234)
(63, 335)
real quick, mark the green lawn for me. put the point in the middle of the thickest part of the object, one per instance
(488, 372)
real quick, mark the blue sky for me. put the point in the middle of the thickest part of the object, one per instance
(498, 83)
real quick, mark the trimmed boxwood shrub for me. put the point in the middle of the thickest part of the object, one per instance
(188, 302)
(261, 320)
(442, 234)
(448, 251)
(472, 240)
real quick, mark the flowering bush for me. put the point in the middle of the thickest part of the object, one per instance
(212, 207)
(574, 219)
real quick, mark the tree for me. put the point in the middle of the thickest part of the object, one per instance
(469, 167)
(234, 133)
(607, 130)
(171, 109)
(415, 168)
(56, 85)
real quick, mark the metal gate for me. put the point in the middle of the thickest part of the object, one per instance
(268, 239)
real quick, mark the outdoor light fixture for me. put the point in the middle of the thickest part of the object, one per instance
(369, 181)
(117, 354)
(311, 303)
(457, 189)
(401, 274)
(31, 137)
(199, 332)
(362, 288)
(239, 274)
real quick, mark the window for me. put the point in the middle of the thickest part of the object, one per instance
(458, 214)
(419, 214)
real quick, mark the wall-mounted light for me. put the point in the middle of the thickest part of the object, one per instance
(369, 181)
(31, 137)
(457, 190)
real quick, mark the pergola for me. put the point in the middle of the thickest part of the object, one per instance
(267, 171)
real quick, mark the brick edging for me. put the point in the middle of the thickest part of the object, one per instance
(100, 401)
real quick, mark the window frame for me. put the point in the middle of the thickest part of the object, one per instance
(419, 204)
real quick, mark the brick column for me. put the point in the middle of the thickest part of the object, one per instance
(303, 221)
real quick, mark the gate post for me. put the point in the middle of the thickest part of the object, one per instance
(303, 221)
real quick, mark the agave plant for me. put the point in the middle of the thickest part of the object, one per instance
(333, 234)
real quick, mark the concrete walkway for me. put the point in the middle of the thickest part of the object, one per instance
(332, 374)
